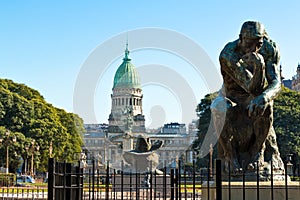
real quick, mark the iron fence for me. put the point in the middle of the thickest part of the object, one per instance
(69, 181)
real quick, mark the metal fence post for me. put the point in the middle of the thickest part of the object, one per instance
(286, 181)
(165, 183)
(51, 167)
(208, 182)
(194, 179)
(78, 182)
(151, 178)
(178, 180)
(272, 183)
(218, 179)
(93, 179)
(172, 183)
(107, 182)
(122, 179)
(257, 179)
(68, 173)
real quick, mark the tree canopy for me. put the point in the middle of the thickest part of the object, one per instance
(26, 115)
(286, 123)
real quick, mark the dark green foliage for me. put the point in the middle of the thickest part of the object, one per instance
(204, 114)
(25, 113)
(7, 179)
(286, 124)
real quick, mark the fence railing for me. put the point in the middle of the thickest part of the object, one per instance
(13, 192)
(70, 182)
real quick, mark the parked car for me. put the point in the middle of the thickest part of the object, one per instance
(25, 179)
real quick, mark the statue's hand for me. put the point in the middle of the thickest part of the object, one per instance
(253, 58)
(257, 106)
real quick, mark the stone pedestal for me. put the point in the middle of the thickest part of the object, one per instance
(289, 169)
(141, 162)
(127, 144)
(265, 190)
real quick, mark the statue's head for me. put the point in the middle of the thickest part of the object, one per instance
(252, 29)
(251, 36)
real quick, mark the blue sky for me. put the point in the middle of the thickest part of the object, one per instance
(44, 44)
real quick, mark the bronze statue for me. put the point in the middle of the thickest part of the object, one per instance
(143, 156)
(251, 81)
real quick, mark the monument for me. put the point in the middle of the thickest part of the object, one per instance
(243, 111)
(143, 158)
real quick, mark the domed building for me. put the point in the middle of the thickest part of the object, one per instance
(126, 122)
(126, 101)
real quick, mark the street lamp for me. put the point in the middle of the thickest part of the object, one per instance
(26, 160)
(32, 149)
(6, 140)
(50, 149)
(210, 159)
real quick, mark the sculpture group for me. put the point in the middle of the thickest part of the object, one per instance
(251, 81)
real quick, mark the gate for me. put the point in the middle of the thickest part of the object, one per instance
(65, 181)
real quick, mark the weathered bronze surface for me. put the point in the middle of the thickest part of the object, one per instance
(144, 157)
(251, 81)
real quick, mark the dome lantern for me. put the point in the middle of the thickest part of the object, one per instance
(126, 75)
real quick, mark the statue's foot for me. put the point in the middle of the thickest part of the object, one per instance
(234, 166)
(277, 163)
(251, 167)
(237, 171)
(258, 161)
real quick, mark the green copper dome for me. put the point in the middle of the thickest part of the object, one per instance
(126, 75)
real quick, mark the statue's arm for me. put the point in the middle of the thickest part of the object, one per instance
(272, 74)
(234, 67)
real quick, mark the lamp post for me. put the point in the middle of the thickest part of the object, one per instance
(6, 141)
(50, 149)
(289, 165)
(32, 149)
(210, 159)
(26, 160)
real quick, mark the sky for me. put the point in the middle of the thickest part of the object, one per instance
(70, 50)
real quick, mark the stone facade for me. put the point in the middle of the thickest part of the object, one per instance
(176, 144)
(296, 80)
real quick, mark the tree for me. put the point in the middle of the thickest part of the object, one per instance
(287, 123)
(204, 115)
(25, 113)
